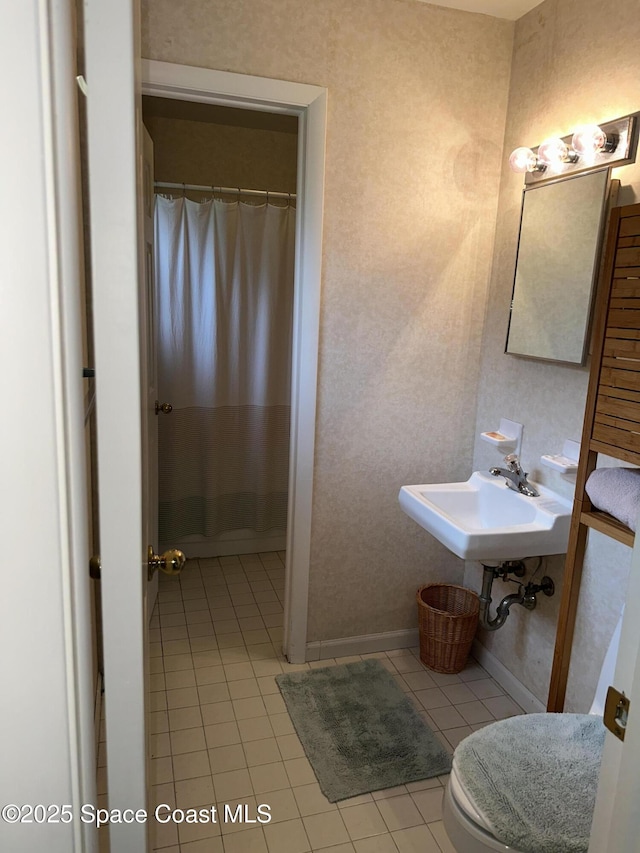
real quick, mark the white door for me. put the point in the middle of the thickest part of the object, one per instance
(151, 408)
(119, 313)
(113, 102)
(121, 213)
(616, 821)
(46, 699)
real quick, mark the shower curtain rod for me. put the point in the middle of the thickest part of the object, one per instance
(227, 190)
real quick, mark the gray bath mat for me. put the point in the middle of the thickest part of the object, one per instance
(359, 730)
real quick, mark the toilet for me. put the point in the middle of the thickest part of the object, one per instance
(468, 830)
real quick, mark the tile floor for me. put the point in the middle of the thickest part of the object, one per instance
(221, 732)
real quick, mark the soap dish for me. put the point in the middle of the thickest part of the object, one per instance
(498, 439)
(565, 462)
(507, 436)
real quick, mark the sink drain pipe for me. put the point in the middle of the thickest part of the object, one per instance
(526, 595)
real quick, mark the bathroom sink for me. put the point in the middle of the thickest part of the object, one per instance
(483, 519)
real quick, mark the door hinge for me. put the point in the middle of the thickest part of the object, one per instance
(616, 712)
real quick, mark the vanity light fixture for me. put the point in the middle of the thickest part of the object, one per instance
(555, 151)
(524, 160)
(590, 145)
(590, 139)
(586, 142)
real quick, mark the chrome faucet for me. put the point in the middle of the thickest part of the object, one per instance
(514, 475)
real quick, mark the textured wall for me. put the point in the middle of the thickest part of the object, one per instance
(196, 152)
(574, 61)
(416, 112)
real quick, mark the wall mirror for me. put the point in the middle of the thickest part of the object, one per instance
(567, 195)
(561, 228)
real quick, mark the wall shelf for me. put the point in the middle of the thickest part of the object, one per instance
(611, 421)
(607, 524)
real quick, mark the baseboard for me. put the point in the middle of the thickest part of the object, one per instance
(514, 688)
(222, 547)
(409, 638)
(362, 645)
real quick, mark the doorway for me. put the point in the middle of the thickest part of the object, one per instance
(308, 104)
(225, 189)
(114, 197)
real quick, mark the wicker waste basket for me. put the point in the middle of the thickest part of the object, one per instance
(448, 619)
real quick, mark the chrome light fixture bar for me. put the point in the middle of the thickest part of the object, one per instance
(590, 146)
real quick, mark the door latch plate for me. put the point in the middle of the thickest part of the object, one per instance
(95, 568)
(616, 712)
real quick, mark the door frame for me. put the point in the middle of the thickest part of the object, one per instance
(309, 104)
(47, 673)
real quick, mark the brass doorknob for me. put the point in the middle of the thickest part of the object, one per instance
(165, 408)
(171, 562)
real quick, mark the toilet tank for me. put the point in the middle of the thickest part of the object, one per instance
(607, 672)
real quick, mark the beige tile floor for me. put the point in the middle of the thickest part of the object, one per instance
(221, 732)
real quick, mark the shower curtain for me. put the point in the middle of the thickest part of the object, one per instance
(224, 290)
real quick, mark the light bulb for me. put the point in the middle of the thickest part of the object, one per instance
(524, 160)
(554, 152)
(590, 139)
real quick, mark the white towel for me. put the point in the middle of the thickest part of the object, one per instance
(616, 491)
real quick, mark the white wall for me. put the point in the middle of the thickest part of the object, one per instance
(554, 88)
(411, 357)
(414, 91)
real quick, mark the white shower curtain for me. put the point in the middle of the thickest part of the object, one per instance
(224, 285)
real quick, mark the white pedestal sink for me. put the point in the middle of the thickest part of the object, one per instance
(484, 520)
